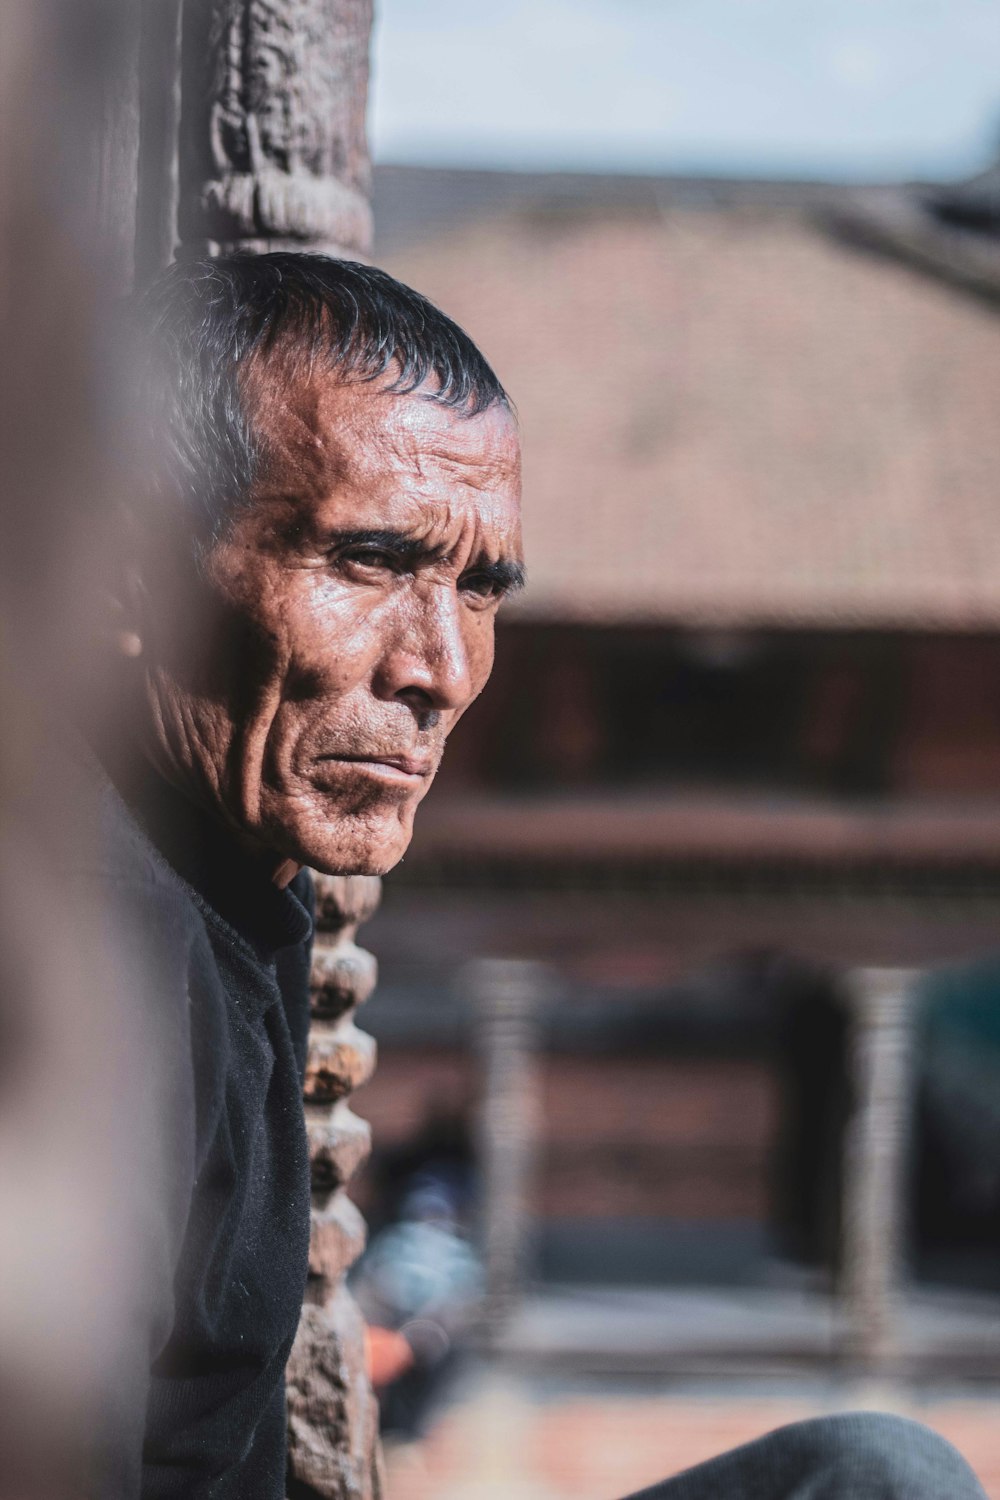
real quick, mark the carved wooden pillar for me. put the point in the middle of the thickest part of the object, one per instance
(272, 142)
(332, 1416)
(272, 155)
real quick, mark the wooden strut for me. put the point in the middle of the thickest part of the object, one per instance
(876, 1148)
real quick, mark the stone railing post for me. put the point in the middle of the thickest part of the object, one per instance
(332, 1415)
(875, 1165)
(506, 994)
(273, 152)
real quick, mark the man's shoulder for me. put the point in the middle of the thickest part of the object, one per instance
(146, 926)
(108, 872)
(108, 844)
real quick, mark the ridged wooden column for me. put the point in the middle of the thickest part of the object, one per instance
(332, 1415)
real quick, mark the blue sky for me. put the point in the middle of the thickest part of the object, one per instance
(830, 88)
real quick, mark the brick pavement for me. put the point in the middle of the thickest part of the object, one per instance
(506, 1439)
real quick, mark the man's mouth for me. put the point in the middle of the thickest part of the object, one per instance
(406, 769)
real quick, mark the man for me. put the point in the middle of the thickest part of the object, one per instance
(301, 618)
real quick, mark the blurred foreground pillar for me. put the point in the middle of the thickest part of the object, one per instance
(506, 994)
(875, 1165)
(67, 130)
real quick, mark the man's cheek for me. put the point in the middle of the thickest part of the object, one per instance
(481, 657)
(336, 637)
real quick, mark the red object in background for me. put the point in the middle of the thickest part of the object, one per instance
(388, 1354)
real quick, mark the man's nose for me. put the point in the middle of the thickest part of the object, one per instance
(428, 663)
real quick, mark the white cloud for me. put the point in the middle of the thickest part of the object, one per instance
(858, 64)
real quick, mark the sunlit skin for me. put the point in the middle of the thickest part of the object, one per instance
(304, 690)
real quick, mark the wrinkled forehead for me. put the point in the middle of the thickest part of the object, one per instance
(316, 435)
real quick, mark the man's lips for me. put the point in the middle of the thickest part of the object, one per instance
(392, 767)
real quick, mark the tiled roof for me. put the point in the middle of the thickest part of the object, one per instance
(731, 419)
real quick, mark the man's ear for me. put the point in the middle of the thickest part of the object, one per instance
(125, 599)
(125, 617)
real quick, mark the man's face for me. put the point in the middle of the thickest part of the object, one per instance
(346, 622)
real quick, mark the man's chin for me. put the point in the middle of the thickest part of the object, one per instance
(370, 852)
(373, 863)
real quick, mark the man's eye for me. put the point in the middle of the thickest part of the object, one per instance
(483, 585)
(367, 557)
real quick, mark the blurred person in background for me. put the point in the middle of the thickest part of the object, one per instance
(422, 1280)
(420, 1283)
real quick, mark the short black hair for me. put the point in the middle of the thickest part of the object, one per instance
(202, 320)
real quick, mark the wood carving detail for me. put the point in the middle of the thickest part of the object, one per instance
(273, 141)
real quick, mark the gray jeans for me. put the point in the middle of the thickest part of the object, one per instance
(858, 1456)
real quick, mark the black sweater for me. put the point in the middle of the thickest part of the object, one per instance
(224, 960)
